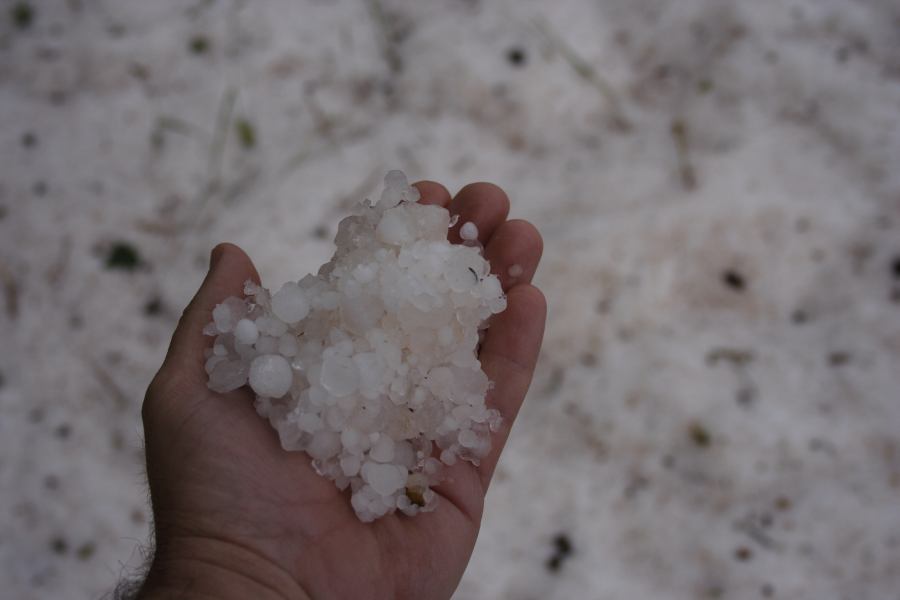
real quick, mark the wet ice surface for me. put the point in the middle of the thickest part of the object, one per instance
(714, 414)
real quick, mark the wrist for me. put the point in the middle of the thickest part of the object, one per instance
(194, 568)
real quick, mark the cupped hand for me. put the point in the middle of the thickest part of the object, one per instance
(235, 516)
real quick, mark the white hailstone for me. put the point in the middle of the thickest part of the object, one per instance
(246, 332)
(339, 376)
(382, 450)
(228, 375)
(270, 375)
(468, 231)
(515, 271)
(350, 465)
(370, 366)
(448, 457)
(324, 444)
(211, 363)
(226, 315)
(468, 438)
(309, 422)
(287, 345)
(384, 479)
(289, 303)
(395, 180)
(266, 344)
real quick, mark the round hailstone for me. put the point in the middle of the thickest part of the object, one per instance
(515, 270)
(395, 179)
(384, 479)
(339, 376)
(290, 304)
(395, 228)
(227, 375)
(469, 231)
(382, 450)
(271, 376)
(350, 465)
(324, 444)
(468, 438)
(223, 317)
(246, 332)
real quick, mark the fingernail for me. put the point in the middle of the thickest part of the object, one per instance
(216, 255)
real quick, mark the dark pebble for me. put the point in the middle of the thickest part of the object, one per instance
(516, 57)
(734, 280)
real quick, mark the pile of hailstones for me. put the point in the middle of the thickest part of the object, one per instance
(371, 363)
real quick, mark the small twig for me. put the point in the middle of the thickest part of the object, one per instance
(167, 124)
(584, 70)
(736, 356)
(688, 174)
(216, 152)
(220, 134)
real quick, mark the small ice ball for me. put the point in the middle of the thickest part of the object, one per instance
(271, 375)
(309, 422)
(287, 345)
(396, 179)
(290, 304)
(404, 454)
(353, 441)
(350, 465)
(223, 318)
(445, 335)
(515, 271)
(468, 438)
(339, 376)
(324, 445)
(448, 457)
(384, 478)
(228, 375)
(365, 273)
(395, 227)
(382, 450)
(246, 332)
(468, 231)
(211, 363)
(266, 344)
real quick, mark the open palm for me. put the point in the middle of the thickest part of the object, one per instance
(236, 516)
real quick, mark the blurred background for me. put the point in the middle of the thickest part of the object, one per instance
(716, 413)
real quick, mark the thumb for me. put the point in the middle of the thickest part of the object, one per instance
(229, 268)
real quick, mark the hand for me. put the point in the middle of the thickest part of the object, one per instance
(238, 517)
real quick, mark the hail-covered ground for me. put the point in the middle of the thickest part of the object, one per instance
(715, 413)
(373, 361)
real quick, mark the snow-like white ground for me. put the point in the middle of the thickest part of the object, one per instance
(716, 413)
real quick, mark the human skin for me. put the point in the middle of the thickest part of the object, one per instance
(235, 516)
